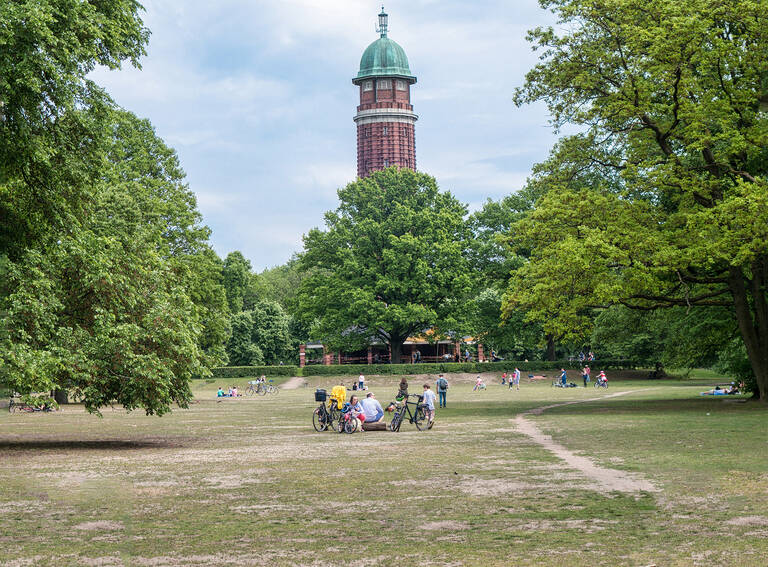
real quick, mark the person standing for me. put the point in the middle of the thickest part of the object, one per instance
(563, 377)
(402, 392)
(429, 402)
(442, 389)
(361, 382)
(504, 379)
(515, 379)
(585, 374)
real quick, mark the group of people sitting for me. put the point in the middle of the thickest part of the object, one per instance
(232, 393)
(368, 411)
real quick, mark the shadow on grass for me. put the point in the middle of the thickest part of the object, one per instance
(88, 445)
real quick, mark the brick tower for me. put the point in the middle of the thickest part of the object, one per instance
(385, 119)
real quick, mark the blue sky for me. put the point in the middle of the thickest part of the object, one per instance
(256, 98)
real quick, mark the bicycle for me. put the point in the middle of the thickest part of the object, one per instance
(14, 406)
(326, 413)
(418, 416)
(254, 387)
(601, 384)
(347, 423)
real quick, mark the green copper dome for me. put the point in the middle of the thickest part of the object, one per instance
(384, 57)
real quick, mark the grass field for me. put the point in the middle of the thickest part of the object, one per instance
(249, 482)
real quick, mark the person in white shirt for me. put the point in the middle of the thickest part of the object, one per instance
(372, 409)
(361, 382)
(429, 403)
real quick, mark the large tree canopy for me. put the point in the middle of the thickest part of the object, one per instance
(392, 262)
(127, 305)
(51, 117)
(662, 200)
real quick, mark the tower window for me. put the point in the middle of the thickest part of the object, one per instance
(401, 85)
(383, 84)
(367, 86)
(384, 131)
(386, 163)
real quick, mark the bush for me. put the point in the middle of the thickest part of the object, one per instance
(248, 371)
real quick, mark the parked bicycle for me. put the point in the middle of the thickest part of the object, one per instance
(417, 415)
(14, 406)
(261, 388)
(326, 414)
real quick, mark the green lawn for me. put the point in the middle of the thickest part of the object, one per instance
(249, 482)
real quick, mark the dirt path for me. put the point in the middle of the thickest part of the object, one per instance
(610, 479)
(293, 384)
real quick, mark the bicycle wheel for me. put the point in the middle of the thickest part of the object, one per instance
(250, 391)
(350, 425)
(597, 385)
(397, 419)
(273, 389)
(261, 390)
(319, 420)
(420, 419)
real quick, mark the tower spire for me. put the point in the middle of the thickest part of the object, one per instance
(383, 23)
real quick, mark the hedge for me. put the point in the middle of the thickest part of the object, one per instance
(249, 371)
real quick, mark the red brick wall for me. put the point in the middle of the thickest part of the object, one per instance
(384, 144)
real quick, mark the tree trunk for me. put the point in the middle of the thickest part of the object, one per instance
(397, 350)
(752, 317)
(550, 352)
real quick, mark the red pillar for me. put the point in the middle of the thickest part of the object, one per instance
(457, 351)
(480, 353)
(370, 355)
(302, 356)
(338, 357)
(326, 357)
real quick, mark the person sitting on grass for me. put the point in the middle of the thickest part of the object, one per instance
(479, 384)
(234, 391)
(372, 409)
(220, 393)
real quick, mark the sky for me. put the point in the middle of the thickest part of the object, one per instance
(256, 98)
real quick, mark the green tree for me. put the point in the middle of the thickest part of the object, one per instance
(51, 117)
(241, 349)
(392, 262)
(494, 262)
(271, 331)
(237, 280)
(674, 141)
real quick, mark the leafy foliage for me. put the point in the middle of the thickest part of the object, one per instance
(661, 201)
(392, 262)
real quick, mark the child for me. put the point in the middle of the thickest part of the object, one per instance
(515, 379)
(220, 393)
(504, 378)
(429, 402)
(479, 384)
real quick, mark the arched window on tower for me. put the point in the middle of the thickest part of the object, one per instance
(384, 131)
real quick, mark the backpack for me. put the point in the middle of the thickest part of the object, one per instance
(442, 384)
